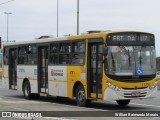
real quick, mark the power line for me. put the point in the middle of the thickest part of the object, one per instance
(6, 2)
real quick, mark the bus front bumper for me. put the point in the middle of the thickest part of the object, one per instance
(124, 94)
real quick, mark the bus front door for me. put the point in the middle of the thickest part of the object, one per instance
(95, 58)
(13, 69)
(43, 69)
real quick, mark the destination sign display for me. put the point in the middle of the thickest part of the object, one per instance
(130, 38)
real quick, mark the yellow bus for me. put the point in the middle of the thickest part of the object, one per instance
(99, 65)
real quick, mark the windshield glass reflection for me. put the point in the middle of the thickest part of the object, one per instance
(130, 60)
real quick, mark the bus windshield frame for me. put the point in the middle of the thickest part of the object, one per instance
(130, 54)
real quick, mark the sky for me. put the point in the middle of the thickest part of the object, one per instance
(33, 18)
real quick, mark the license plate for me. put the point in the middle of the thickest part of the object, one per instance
(136, 93)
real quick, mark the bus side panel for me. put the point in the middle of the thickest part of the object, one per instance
(5, 83)
(6, 71)
(58, 88)
(57, 76)
(34, 86)
(29, 72)
(5, 78)
(76, 74)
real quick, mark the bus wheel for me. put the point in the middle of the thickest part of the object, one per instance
(123, 102)
(27, 90)
(80, 97)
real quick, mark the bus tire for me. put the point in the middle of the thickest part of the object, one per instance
(27, 90)
(123, 102)
(81, 98)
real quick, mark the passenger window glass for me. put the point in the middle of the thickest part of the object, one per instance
(78, 53)
(65, 47)
(78, 47)
(81, 46)
(54, 48)
(32, 59)
(22, 50)
(64, 59)
(54, 59)
(78, 59)
(22, 59)
(27, 55)
(67, 53)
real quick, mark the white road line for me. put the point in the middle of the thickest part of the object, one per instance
(145, 105)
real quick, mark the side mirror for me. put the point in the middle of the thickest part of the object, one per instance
(105, 50)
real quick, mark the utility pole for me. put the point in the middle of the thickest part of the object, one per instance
(57, 16)
(77, 17)
(7, 14)
(7, 22)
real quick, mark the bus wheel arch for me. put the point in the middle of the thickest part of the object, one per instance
(75, 87)
(79, 93)
(27, 89)
(25, 80)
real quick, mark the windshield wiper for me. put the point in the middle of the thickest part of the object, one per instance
(140, 57)
(129, 57)
(113, 61)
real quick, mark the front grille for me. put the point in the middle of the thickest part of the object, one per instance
(127, 93)
(134, 88)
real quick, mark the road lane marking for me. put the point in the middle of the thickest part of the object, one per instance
(145, 105)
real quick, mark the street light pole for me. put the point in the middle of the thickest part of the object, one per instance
(77, 17)
(57, 16)
(7, 22)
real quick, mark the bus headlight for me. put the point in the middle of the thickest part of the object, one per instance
(113, 87)
(153, 86)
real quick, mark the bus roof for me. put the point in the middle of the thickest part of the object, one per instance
(35, 41)
(71, 37)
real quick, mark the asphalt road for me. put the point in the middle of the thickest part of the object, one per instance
(14, 101)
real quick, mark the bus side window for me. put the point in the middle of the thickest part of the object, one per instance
(64, 53)
(65, 47)
(54, 59)
(54, 56)
(29, 49)
(64, 59)
(81, 47)
(22, 50)
(32, 55)
(22, 55)
(78, 53)
(54, 48)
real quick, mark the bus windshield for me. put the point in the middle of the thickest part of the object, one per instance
(130, 60)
